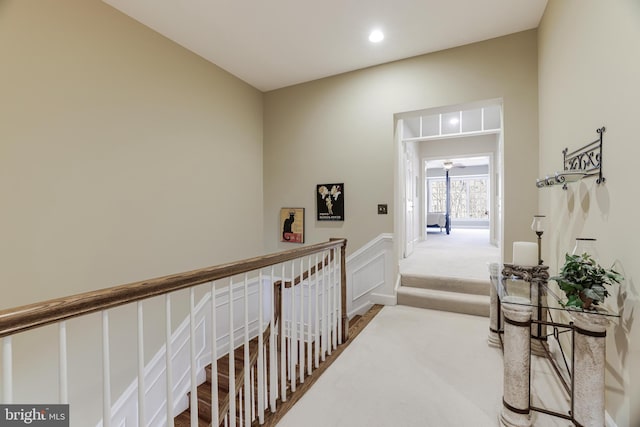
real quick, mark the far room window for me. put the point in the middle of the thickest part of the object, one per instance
(437, 195)
(469, 197)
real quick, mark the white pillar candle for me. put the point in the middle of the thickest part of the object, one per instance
(525, 253)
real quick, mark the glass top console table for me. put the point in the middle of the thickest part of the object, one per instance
(524, 317)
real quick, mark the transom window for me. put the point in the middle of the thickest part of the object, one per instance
(456, 123)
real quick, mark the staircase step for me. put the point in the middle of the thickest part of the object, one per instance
(204, 390)
(183, 420)
(204, 401)
(456, 302)
(450, 284)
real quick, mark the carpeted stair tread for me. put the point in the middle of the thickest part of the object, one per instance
(450, 284)
(456, 302)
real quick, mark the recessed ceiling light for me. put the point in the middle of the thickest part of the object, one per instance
(376, 36)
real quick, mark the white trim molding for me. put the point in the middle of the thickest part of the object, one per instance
(370, 275)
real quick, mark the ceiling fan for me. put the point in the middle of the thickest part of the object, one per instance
(448, 165)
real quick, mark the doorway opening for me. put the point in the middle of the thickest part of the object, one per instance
(457, 193)
(451, 182)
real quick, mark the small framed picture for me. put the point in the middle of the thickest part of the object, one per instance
(292, 225)
(330, 202)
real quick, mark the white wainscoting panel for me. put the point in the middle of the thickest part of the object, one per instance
(124, 411)
(368, 276)
(371, 273)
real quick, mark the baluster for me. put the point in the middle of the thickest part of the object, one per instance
(232, 365)
(253, 394)
(169, 357)
(192, 354)
(266, 390)
(309, 340)
(339, 292)
(260, 361)
(336, 301)
(215, 416)
(332, 293)
(328, 305)
(7, 370)
(325, 300)
(283, 344)
(317, 319)
(106, 372)
(273, 351)
(63, 377)
(293, 344)
(240, 405)
(334, 305)
(247, 366)
(301, 337)
(329, 302)
(141, 387)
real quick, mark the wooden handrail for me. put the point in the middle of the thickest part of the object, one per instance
(31, 316)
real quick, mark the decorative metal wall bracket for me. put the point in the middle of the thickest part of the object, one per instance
(581, 163)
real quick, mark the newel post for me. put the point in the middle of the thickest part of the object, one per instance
(343, 290)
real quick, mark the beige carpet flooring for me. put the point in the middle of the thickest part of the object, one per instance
(465, 253)
(412, 367)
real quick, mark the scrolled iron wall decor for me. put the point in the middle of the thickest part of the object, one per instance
(581, 163)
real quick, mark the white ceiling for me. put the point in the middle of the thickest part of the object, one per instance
(278, 43)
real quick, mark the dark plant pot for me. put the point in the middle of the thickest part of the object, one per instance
(586, 302)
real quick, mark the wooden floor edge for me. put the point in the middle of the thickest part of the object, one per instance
(271, 419)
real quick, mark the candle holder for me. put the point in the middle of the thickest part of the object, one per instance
(538, 227)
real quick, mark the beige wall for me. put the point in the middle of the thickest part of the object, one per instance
(341, 129)
(588, 78)
(122, 157)
(459, 147)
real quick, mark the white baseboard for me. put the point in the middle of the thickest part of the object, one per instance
(384, 299)
(360, 310)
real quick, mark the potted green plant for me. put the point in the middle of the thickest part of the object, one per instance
(583, 281)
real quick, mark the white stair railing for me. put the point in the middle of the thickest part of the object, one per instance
(291, 320)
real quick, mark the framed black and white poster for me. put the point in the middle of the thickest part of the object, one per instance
(330, 202)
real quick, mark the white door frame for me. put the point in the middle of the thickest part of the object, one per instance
(410, 201)
(399, 211)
